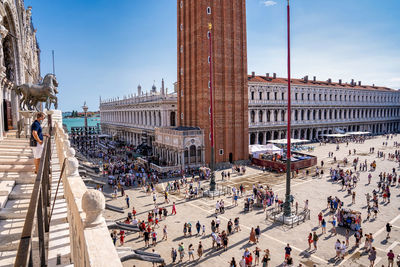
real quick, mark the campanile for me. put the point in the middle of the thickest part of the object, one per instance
(229, 74)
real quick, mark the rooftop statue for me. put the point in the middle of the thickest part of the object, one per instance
(32, 94)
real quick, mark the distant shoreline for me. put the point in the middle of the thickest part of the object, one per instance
(80, 121)
(77, 117)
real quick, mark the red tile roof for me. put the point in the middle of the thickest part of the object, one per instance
(264, 79)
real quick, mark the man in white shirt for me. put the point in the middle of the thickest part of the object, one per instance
(242, 262)
(217, 223)
(343, 249)
(338, 248)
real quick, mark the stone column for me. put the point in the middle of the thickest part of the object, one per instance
(183, 159)
(167, 117)
(27, 115)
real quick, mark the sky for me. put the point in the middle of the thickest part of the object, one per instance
(107, 48)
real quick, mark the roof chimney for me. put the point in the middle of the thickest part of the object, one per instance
(267, 75)
(373, 85)
(359, 83)
(340, 81)
(306, 79)
(352, 82)
(314, 79)
(329, 81)
(274, 75)
(253, 74)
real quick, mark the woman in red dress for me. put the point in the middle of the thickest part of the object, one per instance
(310, 240)
(252, 236)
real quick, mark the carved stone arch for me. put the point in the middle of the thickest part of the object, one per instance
(188, 142)
(252, 138)
(252, 116)
(11, 45)
(192, 154)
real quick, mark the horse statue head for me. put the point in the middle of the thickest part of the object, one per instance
(50, 80)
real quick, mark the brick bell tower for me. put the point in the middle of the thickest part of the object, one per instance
(229, 74)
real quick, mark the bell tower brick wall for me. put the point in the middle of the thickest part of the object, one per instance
(229, 59)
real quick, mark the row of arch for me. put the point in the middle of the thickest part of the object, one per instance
(146, 117)
(127, 136)
(193, 155)
(266, 94)
(321, 114)
(262, 137)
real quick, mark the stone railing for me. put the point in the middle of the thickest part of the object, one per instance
(163, 169)
(171, 130)
(142, 160)
(91, 244)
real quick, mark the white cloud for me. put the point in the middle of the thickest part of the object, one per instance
(269, 3)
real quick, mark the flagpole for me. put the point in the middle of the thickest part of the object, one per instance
(212, 163)
(287, 208)
(54, 68)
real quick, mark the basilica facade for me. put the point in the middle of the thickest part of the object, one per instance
(19, 58)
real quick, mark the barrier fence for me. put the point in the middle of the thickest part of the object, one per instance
(275, 215)
(39, 207)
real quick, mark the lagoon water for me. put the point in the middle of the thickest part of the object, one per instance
(79, 122)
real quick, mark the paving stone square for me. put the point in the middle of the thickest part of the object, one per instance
(275, 236)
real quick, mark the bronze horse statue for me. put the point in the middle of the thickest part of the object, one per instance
(32, 94)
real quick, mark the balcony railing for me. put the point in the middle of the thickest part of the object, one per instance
(39, 207)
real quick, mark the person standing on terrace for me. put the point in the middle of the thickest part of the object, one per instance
(37, 134)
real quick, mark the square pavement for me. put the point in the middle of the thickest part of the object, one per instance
(275, 236)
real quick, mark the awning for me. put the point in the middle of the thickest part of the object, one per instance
(256, 150)
(358, 133)
(292, 141)
(335, 135)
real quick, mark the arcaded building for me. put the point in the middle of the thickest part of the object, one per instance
(226, 39)
(134, 118)
(319, 107)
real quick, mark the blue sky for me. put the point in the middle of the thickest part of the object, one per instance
(106, 48)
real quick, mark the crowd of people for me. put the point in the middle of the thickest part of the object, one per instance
(130, 174)
(348, 177)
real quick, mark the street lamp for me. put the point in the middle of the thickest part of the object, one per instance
(85, 109)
